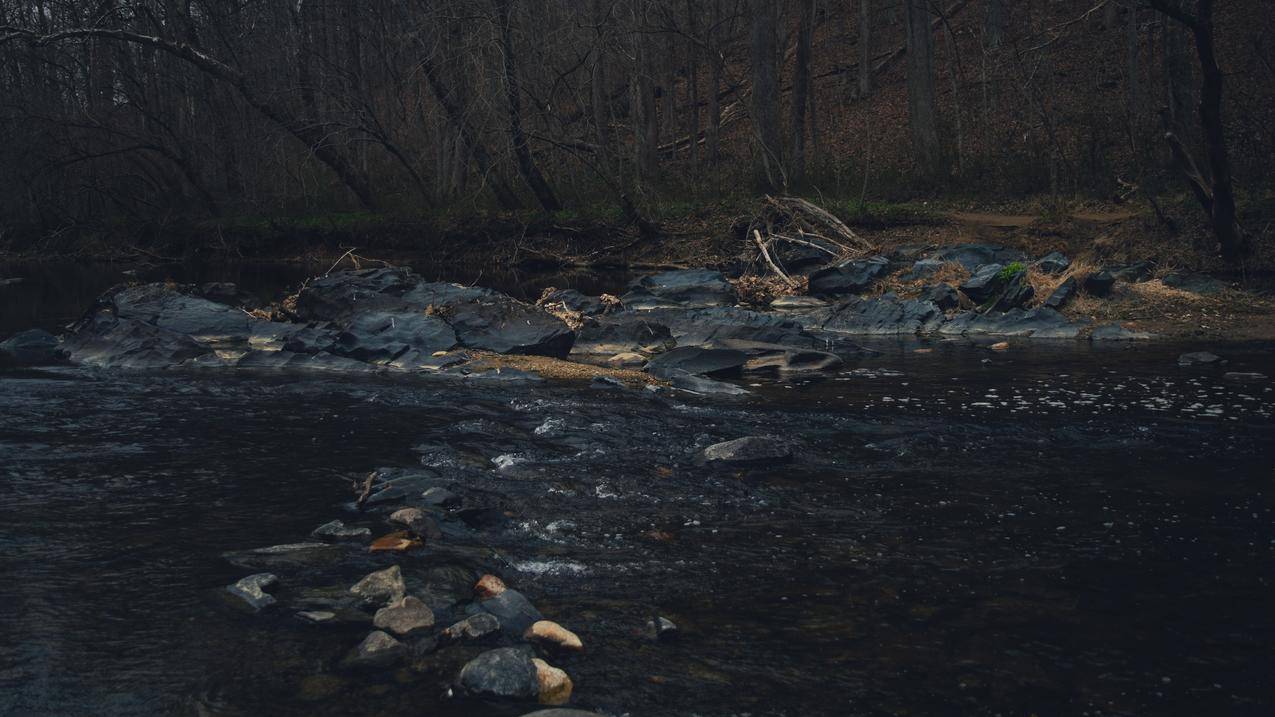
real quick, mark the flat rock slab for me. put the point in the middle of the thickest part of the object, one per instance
(251, 590)
(618, 333)
(1041, 323)
(850, 277)
(405, 617)
(688, 288)
(747, 451)
(382, 586)
(886, 315)
(378, 649)
(696, 327)
(338, 530)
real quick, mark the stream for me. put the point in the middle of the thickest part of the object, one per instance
(1057, 529)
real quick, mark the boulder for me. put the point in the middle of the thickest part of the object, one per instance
(1099, 283)
(972, 256)
(417, 521)
(554, 684)
(168, 307)
(987, 282)
(848, 277)
(943, 296)
(1052, 263)
(547, 632)
(689, 288)
(378, 649)
(393, 485)
(1065, 292)
(924, 268)
(513, 609)
(619, 333)
(747, 451)
(382, 336)
(474, 627)
(489, 320)
(1017, 293)
(1133, 273)
(338, 530)
(34, 347)
(404, 617)
(506, 672)
(697, 327)
(884, 315)
(104, 341)
(697, 360)
(251, 590)
(1198, 358)
(381, 587)
(337, 296)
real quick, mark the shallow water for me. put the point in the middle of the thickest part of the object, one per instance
(1056, 529)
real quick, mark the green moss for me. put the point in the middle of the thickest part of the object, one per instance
(1011, 270)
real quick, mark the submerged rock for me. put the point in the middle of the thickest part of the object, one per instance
(474, 627)
(378, 649)
(707, 386)
(1199, 358)
(404, 617)
(382, 586)
(34, 347)
(749, 450)
(251, 590)
(783, 359)
(338, 530)
(688, 288)
(506, 672)
(316, 617)
(698, 361)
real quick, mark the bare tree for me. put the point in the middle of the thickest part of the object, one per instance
(922, 114)
(765, 104)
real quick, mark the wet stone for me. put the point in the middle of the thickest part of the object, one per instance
(378, 649)
(749, 450)
(251, 590)
(705, 386)
(661, 628)
(338, 530)
(514, 610)
(382, 586)
(440, 497)
(418, 522)
(405, 617)
(504, 672)
(553, 683)
(548, 632)
(1199, 358)
(317, 617)
(474, 627)
(628, 359)
(35, 347)
(698, 361)
(689, 288)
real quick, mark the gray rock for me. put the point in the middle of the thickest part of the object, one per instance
(104, 341)
(1065, 292)
(251, 590)
(1052, 263)
(767, 357)
(943, 296)
(661, 628)
(378, 649)
(337, 530)
(1199, 358)
(885, 315)
(749, 450)
(848, 277)
(628, 331)
(167, 307)
(573, 300)
(417, 521)
(504, 672)
(1133, 273)
(382, 336)
(381, 587)
(440, 497)
(34, 347)
(489, 320)
(405, 617)
(697, 327)
(290, 555)
(474, 627)
(1099, 283)
(1017, 293)
(985, 284)
(698, 361)
(513, 609)
(924, 268)
(690, 288)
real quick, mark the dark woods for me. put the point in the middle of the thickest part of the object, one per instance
(146, 111)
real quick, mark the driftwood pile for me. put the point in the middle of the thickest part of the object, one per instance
(796, 221)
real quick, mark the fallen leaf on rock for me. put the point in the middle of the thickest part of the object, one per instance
(1000, 346)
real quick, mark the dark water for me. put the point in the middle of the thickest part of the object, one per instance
(1052, 530)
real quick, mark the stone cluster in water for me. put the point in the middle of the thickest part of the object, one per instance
(678, 326)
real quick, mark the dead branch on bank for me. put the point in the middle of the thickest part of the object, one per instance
(793, 220)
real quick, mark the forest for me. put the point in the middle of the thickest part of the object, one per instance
(160, 116)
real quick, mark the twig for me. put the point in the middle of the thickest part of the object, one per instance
(338, 261)
(773, 266)
(366, 491)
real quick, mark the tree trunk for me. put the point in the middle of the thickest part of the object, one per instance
(993, 23)
(714, 96)
(513, 92)
(801, 91)
(765, 104)
(921, 104)
(865, 48)
(646, 128)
